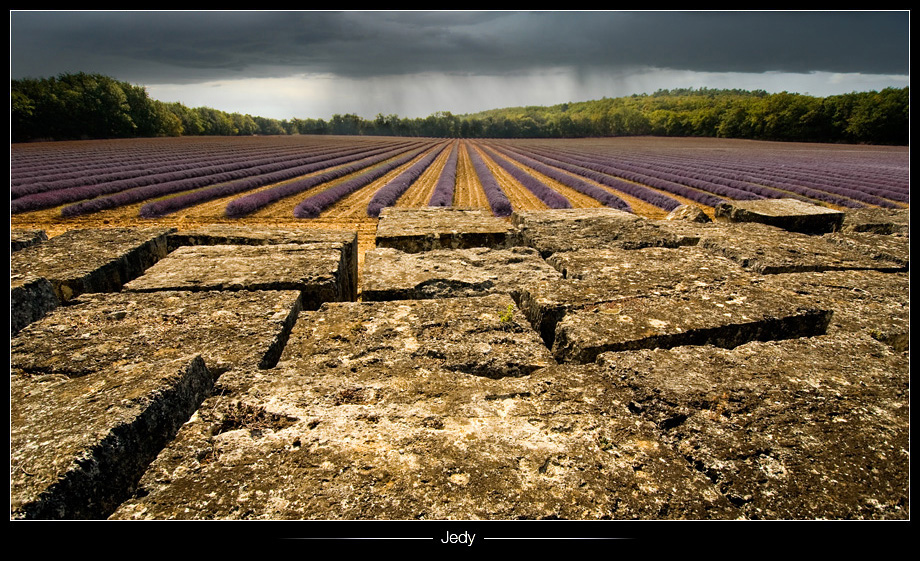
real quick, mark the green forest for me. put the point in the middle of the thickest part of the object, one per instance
(92, 106)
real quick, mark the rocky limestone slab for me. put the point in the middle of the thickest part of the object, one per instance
(91, 260)
(770, 250)
(95, 331)
(650, 269)
(562, 230)
(30, 299)
(390, 274)
(789, 214)
(872, 302)
(483, 336)
(726, 315)
(373, 413)
(888, 250)
(596, 276)
(228, 234)
(20, 239)
(878, 221)
(79, 445)
(318, 273)
(422, 229)
(689, 213)
(546, 216)
(800, 429)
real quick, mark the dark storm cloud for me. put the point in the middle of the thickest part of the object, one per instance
(186, 47)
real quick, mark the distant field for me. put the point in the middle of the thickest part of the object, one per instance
(345, 180)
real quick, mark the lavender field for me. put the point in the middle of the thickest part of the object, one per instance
(353, 177)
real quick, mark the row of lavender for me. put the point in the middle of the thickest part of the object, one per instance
(37, 170)
(222, 175)
(173, 179)
(836, 177)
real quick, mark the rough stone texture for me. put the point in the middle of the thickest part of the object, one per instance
(390, 274)
(769, 250)
(726, 315)
(871, 302)
(689, 213)
(30, 299)
(524, 217)
(889, 251)
(81, 261)
(822, 435)
(79, 445)
(598, 276)
(317, 272)
(453, 408)
(877, 221)
(228, 329)
(790, 214)
(227, 234)
(423, 229)
(569, 229)
(646, 270)
(20, 239)
(482, 336)
(375, 413)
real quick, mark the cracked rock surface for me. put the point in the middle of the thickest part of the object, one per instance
(576, 364)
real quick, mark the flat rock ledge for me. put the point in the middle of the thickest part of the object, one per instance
(20, 239)
(789, 214)
(725, 316)
(319, 273)
(390, 274)
(770, 250)
(30, 299)
(878, 221)
(424, 229)
(827, 439)
(100, 260)
(380, 411)
(229, 329)
(346, 241)
(100, 386)
(577, 364)
(555, 231)
(46, 273)
(78, 445)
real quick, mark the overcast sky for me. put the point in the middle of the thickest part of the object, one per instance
(313, 64)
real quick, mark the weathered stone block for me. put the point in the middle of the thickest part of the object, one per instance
(872, 302)
(810, 428)
(689, 213)
(20, 239)
(99, 260)
(30, 299)
(316, 272)
(548, 216)
(725, 316)
(228, 329)
(877, 221)
(789, 214)
(79, 445)
(375, 413)
(888, 251)
(602, 275)
(423, 229)
(390, 274)
(569, 229)
(770, 250)
(484, 336)
(227, 234)
(646, 270)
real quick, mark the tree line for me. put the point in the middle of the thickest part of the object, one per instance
(84, 106)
